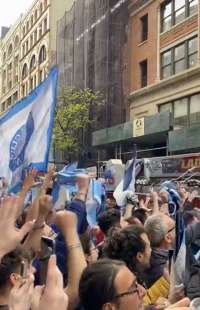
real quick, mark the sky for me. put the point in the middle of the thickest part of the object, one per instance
(10, 10)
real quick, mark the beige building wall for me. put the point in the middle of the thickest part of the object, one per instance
(24, 63)
(147, 102)
(34, 63)
(10, 66)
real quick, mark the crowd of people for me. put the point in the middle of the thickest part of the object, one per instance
(53, 259)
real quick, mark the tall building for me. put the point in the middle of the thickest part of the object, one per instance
(28, 49)
(89, 54)
(10, 65)
(161, 81)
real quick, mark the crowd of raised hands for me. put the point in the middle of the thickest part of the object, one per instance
(23, 228)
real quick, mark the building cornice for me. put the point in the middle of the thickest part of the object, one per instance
(164, 83)
(135, 7)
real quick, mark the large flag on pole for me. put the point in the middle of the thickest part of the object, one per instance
(25, 132)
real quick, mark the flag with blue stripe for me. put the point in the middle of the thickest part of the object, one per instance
(25, 133)
(127, 185)
(66, 179)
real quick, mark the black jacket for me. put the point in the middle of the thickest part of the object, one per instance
(159, 259)
(192, 269)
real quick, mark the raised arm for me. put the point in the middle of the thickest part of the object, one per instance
(67, 222)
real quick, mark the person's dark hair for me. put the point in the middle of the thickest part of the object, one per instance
(188, 206)
(124, 244)
(108, 219)
(140, 214)
(96, 286)
(188, 217)
(11, 263)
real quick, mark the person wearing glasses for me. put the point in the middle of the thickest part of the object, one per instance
(109, 285)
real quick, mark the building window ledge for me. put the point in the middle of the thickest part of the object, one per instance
(142, 43)
(165, 82)
(178, 24)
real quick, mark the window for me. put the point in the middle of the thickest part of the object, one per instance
(23, 50)
(10, 49)
(143, 73)
(175, 11)
(24, 30)
(144, 28)
(15, 96)
(180, 113)
(192, 52)
(166, 64)
(4, 76)
(26, 46)
(179, 58)
(193, 5)
(35, 80)
(195, 109)
(31, 84)
(31, 40)
(9, 85)
(42, 54)
(40, 76)
(35, 15)
(41, 8)
(167, 107)
(16, 41)
(3, 107)
(45, 25)
(166, 15)
(16, 65)
(24, 71)
(27, 26)
(23, 90)
(16, 79)
(179, 11)
(33, 63)
(16, 60)
(10, 71)
(4, 57)
(40, 30)
(9, 101)
(185, 111)
(35, 36)
(32, 20)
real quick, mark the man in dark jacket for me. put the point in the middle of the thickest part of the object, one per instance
(192, 266)
(160, 229)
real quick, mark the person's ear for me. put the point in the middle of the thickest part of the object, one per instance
(168, 238)
(14, 278)
(139, 257)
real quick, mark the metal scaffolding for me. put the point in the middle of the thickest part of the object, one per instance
(90, 40)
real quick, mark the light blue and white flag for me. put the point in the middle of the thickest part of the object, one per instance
(127, 184)
(65, 185)
(25, 133)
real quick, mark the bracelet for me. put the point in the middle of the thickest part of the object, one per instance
(46, 257)
(74, 246)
